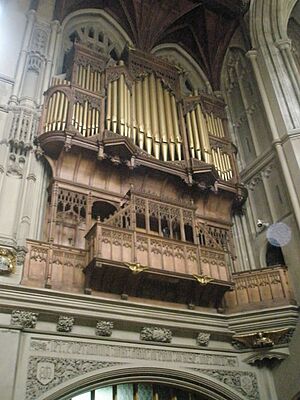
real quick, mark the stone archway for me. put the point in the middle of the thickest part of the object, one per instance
(214, 387)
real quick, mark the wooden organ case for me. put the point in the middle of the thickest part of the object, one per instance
(144, 185)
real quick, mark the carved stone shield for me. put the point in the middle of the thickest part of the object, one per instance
(45, 372)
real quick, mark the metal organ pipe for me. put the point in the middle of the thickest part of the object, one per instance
(154, 116)
(162, 121)
(140, 117)
(176, 126)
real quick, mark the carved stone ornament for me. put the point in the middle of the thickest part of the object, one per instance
(26, 319)
(156, 334)
(243, 382)
(7, 261)
(104, 328)
(203, 338)
(262, 340)
(45, 373)
(65, 323)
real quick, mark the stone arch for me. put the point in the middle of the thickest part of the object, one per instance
(187, 66)
(104, 28)
(197, 382)
(269, 20)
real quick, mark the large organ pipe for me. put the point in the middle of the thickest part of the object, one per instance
(204, 138)
(190, 134)
(134, 122)
(56, 109)
(221, 129)
(169, 121)
(108, 106)
(128, 122)
(49, 108)
(146, 110)
(176, 127)
(93, 121)
(125, 110)
(61, 102)
(154, 116)
(162, 120)
(114, 109)
(139, 108)
(121, 105)
(196, 135)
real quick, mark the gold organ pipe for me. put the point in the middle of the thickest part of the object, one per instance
(52, 111)
(190, 134)
(85, 108)
(169, 121)
(65, 113)
(162, 120)
(139, 108)
(80, 125)
(114, 109)
(216, 128)
(89, 125)
(154, 116)
(83, 77)
(147, 119)
(134, 122)
(204, 139)
(91, 83)
(216, 161)
(60, 111)
(49, 108)
(128, 113)
(125, 109)
(108, 106)
(93, 121)
(87, 78)
(79, 81)
(221, 128)
(229, 165)
(98, 121)
(121, 105)
(208, 120)
(56, 109)
(77, 105)
(176, 127)
(221, 162)
(196, 135)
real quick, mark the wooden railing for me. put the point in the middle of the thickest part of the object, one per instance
(262, 287)
(154, 251)
(55, 266)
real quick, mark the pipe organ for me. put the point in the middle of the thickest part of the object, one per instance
(141, 104)
(146, 113)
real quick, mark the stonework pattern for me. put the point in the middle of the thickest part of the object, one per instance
(45, 373)
(156, 334)
(65, 323)
(203, 338)
(26, 319)
(243, 382)
(104, 328)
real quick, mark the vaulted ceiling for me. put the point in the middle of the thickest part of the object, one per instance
(202, 27)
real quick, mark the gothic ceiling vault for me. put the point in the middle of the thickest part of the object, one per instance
(202, 27)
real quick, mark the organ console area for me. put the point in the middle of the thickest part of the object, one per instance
(138, 98)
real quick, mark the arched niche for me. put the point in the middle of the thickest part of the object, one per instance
(274, 255)
(191, 75)
(206, 387)
(101, 210)
(94, 28)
